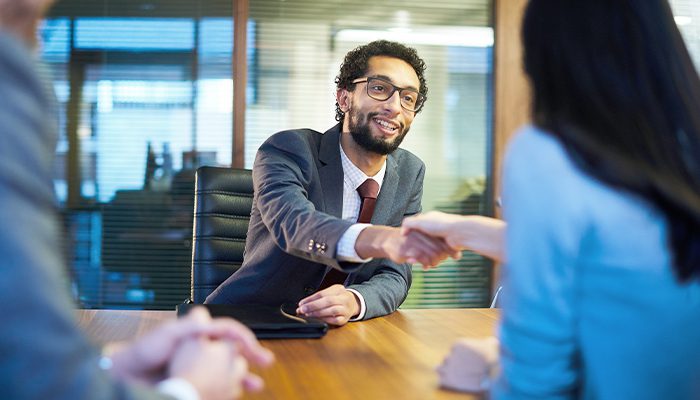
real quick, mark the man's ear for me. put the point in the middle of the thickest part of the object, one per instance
(342, 96)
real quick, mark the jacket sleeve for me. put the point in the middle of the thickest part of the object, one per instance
(284, 176)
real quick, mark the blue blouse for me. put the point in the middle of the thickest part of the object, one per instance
(591, 306)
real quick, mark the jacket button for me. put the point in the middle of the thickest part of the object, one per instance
(308, 290)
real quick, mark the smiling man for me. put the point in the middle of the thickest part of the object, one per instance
(326, 207)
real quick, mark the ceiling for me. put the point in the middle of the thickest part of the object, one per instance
(341, 12)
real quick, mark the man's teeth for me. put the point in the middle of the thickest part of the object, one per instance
(385, 124)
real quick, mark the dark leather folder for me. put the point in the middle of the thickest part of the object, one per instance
(267, 322)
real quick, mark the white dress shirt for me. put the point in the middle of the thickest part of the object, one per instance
(353, 177)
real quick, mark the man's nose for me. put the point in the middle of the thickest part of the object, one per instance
(393, 103)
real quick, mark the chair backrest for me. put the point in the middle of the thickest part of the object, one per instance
(222, 202)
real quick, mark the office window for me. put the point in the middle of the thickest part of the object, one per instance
(687, 16)
(300, 45)
(145, 90)
(145, 94)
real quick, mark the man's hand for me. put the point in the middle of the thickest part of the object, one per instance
(413, 246)
(149, 357)
(482, 235)
(334, 305)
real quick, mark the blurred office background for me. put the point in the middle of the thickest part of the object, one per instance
(149, 90)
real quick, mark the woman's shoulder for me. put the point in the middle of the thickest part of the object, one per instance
(533, 145)
(536, 152)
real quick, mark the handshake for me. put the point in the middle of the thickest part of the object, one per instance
(432, 237)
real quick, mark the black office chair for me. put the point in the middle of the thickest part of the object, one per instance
(222, 202)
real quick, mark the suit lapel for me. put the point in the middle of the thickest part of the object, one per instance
(387, 193)
(331, 171)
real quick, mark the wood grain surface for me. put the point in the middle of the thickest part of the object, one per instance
(393, 357)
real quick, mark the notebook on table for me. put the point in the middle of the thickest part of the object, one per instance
(267, 322)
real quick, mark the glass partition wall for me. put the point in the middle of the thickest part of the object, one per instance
(300, 47)
(145, 91)
(146, 95)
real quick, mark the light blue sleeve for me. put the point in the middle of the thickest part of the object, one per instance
(539, 352)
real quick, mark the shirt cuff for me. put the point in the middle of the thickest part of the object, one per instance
(346, 244)
(363, 306)
(178, 388)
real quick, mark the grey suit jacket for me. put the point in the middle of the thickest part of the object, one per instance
(296, 224)
(42, 353)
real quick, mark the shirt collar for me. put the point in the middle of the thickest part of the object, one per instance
(354, 175)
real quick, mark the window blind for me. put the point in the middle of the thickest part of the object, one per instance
(300, 47)
(145, 91)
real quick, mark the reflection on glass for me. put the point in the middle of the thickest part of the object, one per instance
(141, 128)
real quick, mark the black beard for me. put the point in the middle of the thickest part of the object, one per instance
(363, 137)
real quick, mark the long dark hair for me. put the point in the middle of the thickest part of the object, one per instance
(614, 82)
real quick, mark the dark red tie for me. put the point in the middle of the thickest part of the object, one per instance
(368, 193)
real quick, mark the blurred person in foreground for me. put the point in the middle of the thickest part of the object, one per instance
(44, 355)
(601, 297)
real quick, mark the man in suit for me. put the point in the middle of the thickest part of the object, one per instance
(44, 355)
(304, 243)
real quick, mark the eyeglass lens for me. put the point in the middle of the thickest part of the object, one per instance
(381, 90)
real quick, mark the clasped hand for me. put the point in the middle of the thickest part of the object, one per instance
(482, 235)
(410, 246)
(211, 354)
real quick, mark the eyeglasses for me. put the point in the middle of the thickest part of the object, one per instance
(381, 89)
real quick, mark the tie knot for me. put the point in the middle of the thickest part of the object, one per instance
(368, 189)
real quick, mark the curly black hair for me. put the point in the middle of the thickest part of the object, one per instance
(356, 63)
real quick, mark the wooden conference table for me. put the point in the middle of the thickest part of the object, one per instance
(393, 357)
